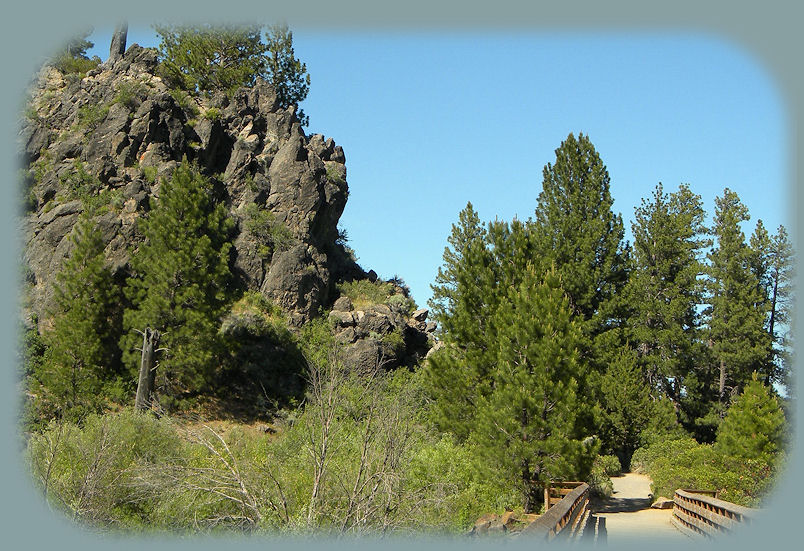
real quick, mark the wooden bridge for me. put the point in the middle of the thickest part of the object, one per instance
(572, 514)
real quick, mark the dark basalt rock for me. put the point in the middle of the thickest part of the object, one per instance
(254, 150)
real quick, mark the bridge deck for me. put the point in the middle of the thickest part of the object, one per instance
(627, 515)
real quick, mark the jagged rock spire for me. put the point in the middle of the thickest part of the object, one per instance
(118, 46)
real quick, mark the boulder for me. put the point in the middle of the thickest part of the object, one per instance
(662, 503)
(343, 304)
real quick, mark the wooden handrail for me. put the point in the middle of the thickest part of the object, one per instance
(564, 519)
(697, 514)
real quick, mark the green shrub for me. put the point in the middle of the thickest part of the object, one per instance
(185, 101)
(334, 175)
(212, 114)
(610, 464)
(91, 115)
(363, 293)
(90, 471)
(599, 482)
(80, 66)
(683, 463)
(272, 234)
(129, 94)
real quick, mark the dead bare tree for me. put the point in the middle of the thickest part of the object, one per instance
(147, 375)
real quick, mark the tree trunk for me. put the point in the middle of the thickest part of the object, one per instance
(147, 378)
(118, 47)
(722, 386)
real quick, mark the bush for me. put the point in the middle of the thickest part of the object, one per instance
(91, 115)
(600, 485)
(129, 94)
(610, 464)
(683, 463)
(89, 471)
(212, 114)
(363, 294)
(272, 234)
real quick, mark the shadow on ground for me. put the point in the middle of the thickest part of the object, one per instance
(619, 504)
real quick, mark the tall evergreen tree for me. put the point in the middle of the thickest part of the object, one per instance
(526, 425)
(737, 309)
(754, 424)
(181, 281)
(81, 346)
(577, 230)
(462, 305)
(772, 264)
(627, 403)
(665, 286)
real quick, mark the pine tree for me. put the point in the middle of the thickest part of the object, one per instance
(576, 228)
(458, 374)
(80, 346)
(287, 74)
(772, 263)
(665, 288)
(182, 281)
(754, 425)
(627, 404)
(479, 268)
(209, 58)
(737, 309)
(526, 426)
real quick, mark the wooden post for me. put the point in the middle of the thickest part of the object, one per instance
(547, 497)
(147, 376)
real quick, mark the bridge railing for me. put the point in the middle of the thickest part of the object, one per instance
(697, 514)
(565, 519)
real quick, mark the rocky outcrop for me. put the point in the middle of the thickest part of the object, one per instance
(379, 334)
(124, 127)
(111, 137)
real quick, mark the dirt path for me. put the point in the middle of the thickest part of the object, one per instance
(627, 515)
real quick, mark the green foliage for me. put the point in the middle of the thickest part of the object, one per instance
(754, 426)
(72, 58)
(538, 365)
(90, 471)
(130, 94)
(576, 229)
(91, 115)
(208, 58)
(600, 484)
(665, 287)
(287, 74)
(81, 347)
(609, 463)
(212, 114)
(185, 101)
(181, 283)
(83, 185)
(335, 176)
(626, 401)
(272, 234)
(737, 311)
(364, 293)
(457, 488)
(686, 464)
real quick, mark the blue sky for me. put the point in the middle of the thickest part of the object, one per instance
(431, 120)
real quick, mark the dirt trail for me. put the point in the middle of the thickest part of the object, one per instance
(627, 515)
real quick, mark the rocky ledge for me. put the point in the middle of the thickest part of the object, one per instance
(111, 136)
